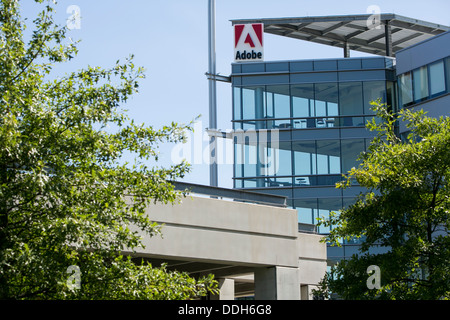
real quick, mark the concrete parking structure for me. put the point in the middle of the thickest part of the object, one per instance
(253, 249)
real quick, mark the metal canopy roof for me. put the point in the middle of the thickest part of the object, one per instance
(385, 36)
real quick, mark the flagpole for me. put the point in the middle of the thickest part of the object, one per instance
(213, 170)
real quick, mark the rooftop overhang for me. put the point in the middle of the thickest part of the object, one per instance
(382, 34)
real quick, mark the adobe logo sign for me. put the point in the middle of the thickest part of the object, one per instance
(248, 42)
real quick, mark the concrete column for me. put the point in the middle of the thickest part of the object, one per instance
(277, 283)
(307, 291)
(226, 287)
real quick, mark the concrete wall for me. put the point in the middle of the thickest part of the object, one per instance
(311, 264)
(277, 283)
(227, 231)
(310, 255)
(227, 235)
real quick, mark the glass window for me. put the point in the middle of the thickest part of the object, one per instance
(305, 215)
(302, 97)
(248, 125)
(447, 72)
(264, 162)
(326, 100)
(321, 109)
(249, 183)
(405, 84)
(237, 125)
(280, 100)
(437, 78)
(328, 157)
(327, 180)
(373, 90)
(272, 163)
(238, 159)
(237, 115)
(277, 182)
(278, 161)
(281, 160)
(269, 105)
(391, 97)
(332, 109)
(351, 98)
(420, 84)
(253, 103)
(326, 206)
(304, 157)
(282, 106)
(306, 209)
(348, 201)
(351, 149)
(248, 103)
(285, 167)
(249, 160)
(259, 103)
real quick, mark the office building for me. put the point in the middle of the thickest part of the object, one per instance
(298, 126)
(423, 72)
(318, 108)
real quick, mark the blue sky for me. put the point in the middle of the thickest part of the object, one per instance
(169, 38)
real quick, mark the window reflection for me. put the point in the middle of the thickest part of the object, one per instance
(351, 98)
(237, 103)
(310, 210)
(281, 159)
(326, 100)
(306, 106)
(351, 149)
(437, 78)
(317, 180)
(310, 163)
(306, 210)
(305, 161)
(447, 72)
(278, 105)
(420, 84)
(250, 161)
(374, 90)
(248, 103)
(405, 83)
(328, 156)
(302, 98)
(424, 83)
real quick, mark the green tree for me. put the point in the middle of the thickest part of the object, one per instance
(66, 197)
(405, 212)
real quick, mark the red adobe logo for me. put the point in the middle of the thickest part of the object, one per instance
(248, 41)
(238, 33)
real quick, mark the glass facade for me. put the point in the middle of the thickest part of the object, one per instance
(424, 83)
(299, 163)
(305, 106)
(318, 109)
